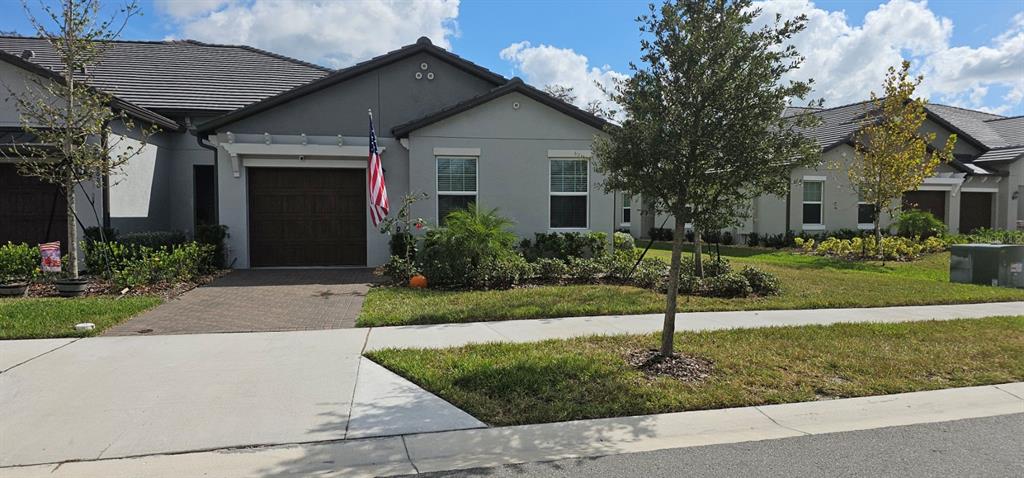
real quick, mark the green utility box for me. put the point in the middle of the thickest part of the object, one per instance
(988, 264)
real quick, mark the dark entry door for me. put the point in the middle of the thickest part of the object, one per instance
(31, 211)
(975, 211)
(931, 201)
(307, 217)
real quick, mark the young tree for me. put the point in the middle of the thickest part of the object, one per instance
(891, 153)
(703, 129)
(71, 120)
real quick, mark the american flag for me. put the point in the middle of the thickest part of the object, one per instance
(378, 191)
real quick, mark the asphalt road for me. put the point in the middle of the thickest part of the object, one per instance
(991, 446)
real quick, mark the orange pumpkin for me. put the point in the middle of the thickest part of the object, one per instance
(418, 281)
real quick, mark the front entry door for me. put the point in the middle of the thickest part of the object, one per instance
(307, 217)
(975, 211)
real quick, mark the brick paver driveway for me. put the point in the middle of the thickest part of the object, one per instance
(260, 300)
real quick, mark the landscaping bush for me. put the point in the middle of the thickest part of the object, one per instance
(185, 263)
(712, 267)
(776, 241)
(18, 262)
(403, 244)
(469, 238)
(689, 284)
(214, 235)
(896, 248)
(583, 270)
(623, 241)
(753, 239)
(617, 266)
(731, 285)
(551, 270)
(93, 234)
(727, 239)
(919, 224)
(154, 239)
(502, 272)
(650, 274)
(660, 234)
(564, 245)
(987, 236)
(398, 271)
(761, 282)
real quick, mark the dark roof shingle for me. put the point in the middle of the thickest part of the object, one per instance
(182, 75)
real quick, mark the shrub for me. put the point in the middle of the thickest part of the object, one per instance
(154, 239)
(214, 235)
(660, 234)
(761, 282)
(727, 239)
(403, 244)
(93, 234)
(618, 266)
(650, 274)
(584, 271)
(920, 224)
(551, 270)
(469, 238)
(623, 241)
(689, 284)
(777, 241)
(731, 285)
(502, 272)
(753, 239)
(712, 267)
(153, 266)
(892, 247)
(18, 262)
(987, 236)
(563, 245)
(397, 270)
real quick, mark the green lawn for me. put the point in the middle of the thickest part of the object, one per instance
(808, 282)
(37, 318)
(559, 380)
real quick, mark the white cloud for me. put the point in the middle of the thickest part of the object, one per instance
(333, 33)
(848, 61)
(543, 65)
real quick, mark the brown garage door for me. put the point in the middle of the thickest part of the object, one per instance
(930, 201)
(975, 211)
(29, 208)
(307, 217)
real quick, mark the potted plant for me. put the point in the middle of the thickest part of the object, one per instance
(17, 268)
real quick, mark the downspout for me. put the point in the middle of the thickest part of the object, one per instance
(789, 198)
(216, 176)
(105, 186)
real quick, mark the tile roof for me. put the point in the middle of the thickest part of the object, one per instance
(1010, 129)
(1001, 154)
(182, 75)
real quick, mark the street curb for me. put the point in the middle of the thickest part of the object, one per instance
(462, 449)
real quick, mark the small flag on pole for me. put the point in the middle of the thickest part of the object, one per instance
(378, 191)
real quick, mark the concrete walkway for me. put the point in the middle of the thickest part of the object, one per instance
(109, 397)
(422, 453)
(451, 335)
(260, 300)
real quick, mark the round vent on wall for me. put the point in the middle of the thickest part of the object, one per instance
(419, 76)
(424, 66)
(430, 75)
(515, 105)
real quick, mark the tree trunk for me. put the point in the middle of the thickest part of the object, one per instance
(878, 230)
(698, 254)
(668, 331)
(69, 192)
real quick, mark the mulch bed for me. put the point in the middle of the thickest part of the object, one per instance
(98, 286)
(687, 368)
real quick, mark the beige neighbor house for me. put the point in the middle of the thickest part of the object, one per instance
(276, 149)
(981, 187)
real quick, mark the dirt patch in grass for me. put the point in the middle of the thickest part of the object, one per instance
(680, 366)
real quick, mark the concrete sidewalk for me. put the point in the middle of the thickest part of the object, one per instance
(451, 335)
(420, 453)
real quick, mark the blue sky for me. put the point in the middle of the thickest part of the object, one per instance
(971, 52)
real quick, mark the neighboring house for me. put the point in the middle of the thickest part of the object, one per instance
(276, 149)
(981, 187)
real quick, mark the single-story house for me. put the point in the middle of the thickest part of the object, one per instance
(276, 149)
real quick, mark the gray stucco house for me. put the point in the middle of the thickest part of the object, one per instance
(276, 149)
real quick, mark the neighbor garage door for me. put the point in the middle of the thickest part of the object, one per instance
(31, 211)
(307, 217)
(930, 201)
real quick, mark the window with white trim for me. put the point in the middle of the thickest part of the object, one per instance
(627, 209)
(812, 204)
(456, 184)
(570, 189)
